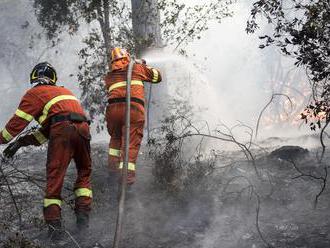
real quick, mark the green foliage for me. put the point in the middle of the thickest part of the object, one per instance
(301, 29)
(91, 73)
(112, 20)
(109, 31)
(318, 111)
(182, 23)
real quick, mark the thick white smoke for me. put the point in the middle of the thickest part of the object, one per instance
(232, 78)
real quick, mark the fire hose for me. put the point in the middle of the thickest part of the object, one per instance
(121, 206)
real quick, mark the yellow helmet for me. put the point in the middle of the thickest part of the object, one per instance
(119, 53)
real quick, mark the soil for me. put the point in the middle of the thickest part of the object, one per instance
(217, 210)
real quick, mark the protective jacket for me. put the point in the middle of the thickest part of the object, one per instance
(40, 103)
(115, 113)
(67, 139)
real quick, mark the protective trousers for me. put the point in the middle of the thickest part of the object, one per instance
(116, 127)
(68, 140)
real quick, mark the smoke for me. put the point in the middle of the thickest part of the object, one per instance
(226, 74)
(23, 46)
(231, 79)
(226, 78)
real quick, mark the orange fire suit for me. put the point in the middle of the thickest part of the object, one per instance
(67, 139)
(115, 113)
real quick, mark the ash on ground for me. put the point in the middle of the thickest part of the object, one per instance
(229, 207)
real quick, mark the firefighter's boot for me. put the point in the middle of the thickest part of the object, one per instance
(83, 231)
(55, 230)
(82, 220)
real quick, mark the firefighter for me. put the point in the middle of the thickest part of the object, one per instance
(65, 125)
(115, 82)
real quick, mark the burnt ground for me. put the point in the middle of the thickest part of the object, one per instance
(217, 210)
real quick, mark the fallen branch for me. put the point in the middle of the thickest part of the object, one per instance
(323, 179)
(11, 195)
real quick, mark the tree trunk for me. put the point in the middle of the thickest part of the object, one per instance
(147, 34)
(106, 10)
(103, 10)
(146, 24)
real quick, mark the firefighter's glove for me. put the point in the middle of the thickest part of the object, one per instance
(11, 149)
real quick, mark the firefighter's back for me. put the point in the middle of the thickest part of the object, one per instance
(55, 100)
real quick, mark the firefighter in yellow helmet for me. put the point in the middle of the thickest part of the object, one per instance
(115, 114)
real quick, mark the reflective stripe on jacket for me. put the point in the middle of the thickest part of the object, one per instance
(40, 103)
(116, 81)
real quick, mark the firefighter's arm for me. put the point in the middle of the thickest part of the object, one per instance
(37, 138)
(28, 109)
(151, 74)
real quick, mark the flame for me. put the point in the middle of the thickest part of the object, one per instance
(282, 111)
